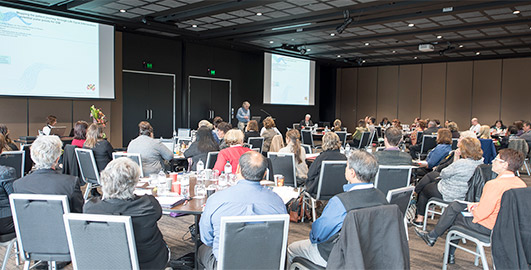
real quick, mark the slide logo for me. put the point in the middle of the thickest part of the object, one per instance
(8, 16)
(91, 87)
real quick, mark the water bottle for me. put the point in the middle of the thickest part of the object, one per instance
(185, 185)
(201, 166)
(228, 168)
(347, 150)
(223, 181)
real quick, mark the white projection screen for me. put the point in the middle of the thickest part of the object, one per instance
(50, 56)
(288, 80)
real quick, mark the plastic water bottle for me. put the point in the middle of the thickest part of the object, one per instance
(200, 166)
(223, 181)
(185, 185)
(347, 150)
(228, 168)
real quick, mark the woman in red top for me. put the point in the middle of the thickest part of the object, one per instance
(80, 133)
(234, 139)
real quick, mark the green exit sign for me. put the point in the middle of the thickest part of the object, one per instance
(212, 72)
(149, 65)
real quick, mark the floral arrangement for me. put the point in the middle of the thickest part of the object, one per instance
(97, 116)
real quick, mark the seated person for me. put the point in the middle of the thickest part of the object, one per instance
(384, 124)
(370, 122)
(416, 140)
(356, 137)
(444, 146)
(293, 145)
(7, 176)
(484, 132)
(432, 128)
(306, 122)
(101, 148)
(9, 145)
(268, 133)
(222, 129)
(452, 126)
(198, 150)
(233, 152)
(246, 198)
(152, 152)
(453, 183)
(118, 182)
(50, 122)
(498, 129)
(216, 121)
(263, 129)
(392, 154)
(80, 133)
(485, 212)
(359, 193)
(331, 145)
(251, 131)
(337, 125)
(527, 132)
(47, 178)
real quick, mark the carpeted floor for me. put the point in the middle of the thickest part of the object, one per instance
(177, 236)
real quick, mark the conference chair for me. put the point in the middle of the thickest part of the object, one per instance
(9, 241)
(14, 159)
(331, 181)
(253, 242)
(428, 142)
(454, 143)
(458, 232)
(365, 140)
(256, 142)
(212, 157)
(88, 169)
(115, 247)
(401, 197)
(297, 126)
(431, 209)
(307, 138)
(39, 226)
(28, 162)
(342, 137)
(134, 156)
(284, 163)
(307, 148)
(391, 177)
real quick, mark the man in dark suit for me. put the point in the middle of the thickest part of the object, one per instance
(359, 193)
(45, 153)
(392, 155)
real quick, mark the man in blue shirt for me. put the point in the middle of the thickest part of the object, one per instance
(246, 198)
(359, 193)
(243, 115)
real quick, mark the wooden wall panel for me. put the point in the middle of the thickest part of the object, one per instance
(409, 89)
(486, 91)
(516, 90)
(387, 101)
(39, 109)
(347, 99)
(433, 91)
(367, 92)
(459, 93)
(81, 111)
(13, 113)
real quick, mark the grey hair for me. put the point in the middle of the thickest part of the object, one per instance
(364, 164)
(331, 141)
(119, 179)
(253, 166)
(45, 151)
(432, 123)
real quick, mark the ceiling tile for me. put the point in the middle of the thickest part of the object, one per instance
(117, 6)
(171, 3)
(208, 19)
(476, 19)
(132, 2)
(318, 7)
(155, 7)
(427, 25)
(242, 13)
(225, 23)
(224, 16)
(140, 11)
(469, 14)
(259, 18)
(241, 21)
(261, 9)
(277, 14)
(452, 22)
(281, 5)
(341, 3)
(128, 15)
(296, 10)
(442, 18)
(524, 8)
(503, 17)
(499, 11)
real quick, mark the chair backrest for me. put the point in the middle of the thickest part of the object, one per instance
(115, 247)
(331, 179)
(401, 197)
(420, 134)
(296, 126)
(134, 156)
(28, 162)
(519, 145)
(212, 157)
(342, 137)
(38, 221)
(392, 177)
(256, 142)
(186, 141)
(379, 132)
(87, 166)
(183, 133)
(454, 143)
(365, 140)
(284, 163)
(253, 242)
(14, 159)
(307, 138)
(307, 148)
(428, 142)
(489, 151)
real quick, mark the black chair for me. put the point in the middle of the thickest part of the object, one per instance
(70, 164)
(307, 148)
(133, 156)
(428, 142)
(28, 162)
(365, 140)
(307, 138)
(284, 163)
(401, 197)
(212, 157)
(331, 181)
(342, 137)
(88, 169)
(256, 142)
(14, 159)
(392, 177)
(454, 143)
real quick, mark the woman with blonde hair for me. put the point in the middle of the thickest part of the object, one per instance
(484, 132)
(268, 133)
(10, 145)
(101, 148)
(277, 143)
(231, 154)
(331, 145)
(293, 145)
(337, 125)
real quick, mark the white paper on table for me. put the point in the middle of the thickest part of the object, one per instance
(169, 201)
(141, 191)
(286, 193)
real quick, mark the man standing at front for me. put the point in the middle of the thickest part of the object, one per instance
(246, 198)
(243, 115)
(359, 193)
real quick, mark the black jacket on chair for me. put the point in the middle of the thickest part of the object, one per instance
(70, 165)
(482, 175)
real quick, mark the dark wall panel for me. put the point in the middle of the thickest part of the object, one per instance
(367, 92)
(516, 90)
(409, 85)
(39, 109)
(433, 90)
(14, 114)
(486, 91)
(459, 93)
(348, 94)
(387, 92)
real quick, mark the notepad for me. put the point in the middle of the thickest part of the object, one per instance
(170, 201)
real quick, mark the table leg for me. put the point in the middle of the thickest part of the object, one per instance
(197, 240)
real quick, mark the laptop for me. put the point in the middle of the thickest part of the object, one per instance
(58, 130)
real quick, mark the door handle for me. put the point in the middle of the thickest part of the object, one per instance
(150, 114)
(213, 114)
(147, 114)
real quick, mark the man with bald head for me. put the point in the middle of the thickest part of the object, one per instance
(246, 198)
(475, 126)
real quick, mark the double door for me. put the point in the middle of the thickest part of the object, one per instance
(148, 97)
(209, 97)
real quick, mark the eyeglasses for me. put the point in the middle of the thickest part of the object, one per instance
(499, 159)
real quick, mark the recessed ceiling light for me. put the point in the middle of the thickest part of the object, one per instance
(308, 50)
(516, 12)
(415, 58)
(363, 61)
(332, 34)
(123, 10)
(271, 42)
(394, 51)
(478, 53)
(367, 44)
(461, 46)
(259, 14)
(194, 25)
(439, 37)
(338, 55)
(411, 25)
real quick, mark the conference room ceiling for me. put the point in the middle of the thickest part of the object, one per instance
(381, 32)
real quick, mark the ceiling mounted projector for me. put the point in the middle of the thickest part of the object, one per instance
(426, 48)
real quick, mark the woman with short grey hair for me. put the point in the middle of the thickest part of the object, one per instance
(45, 152)
(118, 183)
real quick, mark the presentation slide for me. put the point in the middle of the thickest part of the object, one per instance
(288, 80)
(49, 56)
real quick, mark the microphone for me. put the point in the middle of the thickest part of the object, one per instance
(264, 111)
